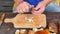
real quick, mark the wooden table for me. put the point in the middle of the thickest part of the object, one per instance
(50, 16)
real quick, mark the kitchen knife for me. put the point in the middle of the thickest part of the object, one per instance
(1, 19)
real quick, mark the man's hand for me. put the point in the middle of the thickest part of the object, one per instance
(23, 7)
(39, 8)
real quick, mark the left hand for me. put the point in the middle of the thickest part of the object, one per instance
(39, 9)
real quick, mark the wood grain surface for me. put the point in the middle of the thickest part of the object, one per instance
(27, 21)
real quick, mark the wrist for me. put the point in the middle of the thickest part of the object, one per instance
(46, 2)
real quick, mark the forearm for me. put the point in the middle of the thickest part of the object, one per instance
(18, 1)
(47, 1)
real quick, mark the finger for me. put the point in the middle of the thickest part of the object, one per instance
(24, 8)
(42, 10)
(38, 12)
(19, 10)
(37, 7)
(27, 8)
(35, 13)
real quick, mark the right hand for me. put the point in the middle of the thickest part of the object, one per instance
(23, 7)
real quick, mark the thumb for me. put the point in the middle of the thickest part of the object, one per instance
(37, 7)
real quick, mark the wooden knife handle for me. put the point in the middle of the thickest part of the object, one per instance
(8, 20)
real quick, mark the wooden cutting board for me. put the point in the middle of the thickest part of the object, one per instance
(27, 21)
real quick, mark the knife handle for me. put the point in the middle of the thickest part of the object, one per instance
(30, 9)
